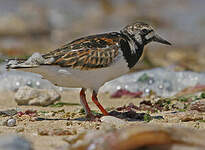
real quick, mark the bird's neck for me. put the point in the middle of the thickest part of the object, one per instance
(132, 50)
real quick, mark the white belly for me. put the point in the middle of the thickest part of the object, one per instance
(68, 77)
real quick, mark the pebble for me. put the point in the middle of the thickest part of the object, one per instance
(31, 96)
(11, 122)
(113, 121)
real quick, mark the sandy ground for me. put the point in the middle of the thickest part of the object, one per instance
(33, 130)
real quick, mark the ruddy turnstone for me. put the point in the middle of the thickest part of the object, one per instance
(89, 62)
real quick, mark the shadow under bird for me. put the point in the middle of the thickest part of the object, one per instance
(90, 61)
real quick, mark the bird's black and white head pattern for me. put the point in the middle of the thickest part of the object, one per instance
(137, 35)
(141, 33)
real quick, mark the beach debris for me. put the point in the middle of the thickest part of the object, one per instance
(123, 92)
(29, 112)
(9, 112)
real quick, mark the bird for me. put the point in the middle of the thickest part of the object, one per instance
(91, 61)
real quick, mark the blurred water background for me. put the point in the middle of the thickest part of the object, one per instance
(28, 26)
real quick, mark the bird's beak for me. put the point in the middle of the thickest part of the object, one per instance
(159, 39)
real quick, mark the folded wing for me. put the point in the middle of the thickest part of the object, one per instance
(87, 53)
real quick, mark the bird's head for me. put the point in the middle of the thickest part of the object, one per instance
(143, 33)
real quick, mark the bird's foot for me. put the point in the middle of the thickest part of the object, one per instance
(91, 117)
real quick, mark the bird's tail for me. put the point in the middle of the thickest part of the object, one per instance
(14, 63)
(35, 64)
(18, 63)
(34, 61)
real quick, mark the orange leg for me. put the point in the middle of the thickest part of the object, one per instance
(95, 100)
(84, 103)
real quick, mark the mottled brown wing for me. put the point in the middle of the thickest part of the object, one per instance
(87, 53)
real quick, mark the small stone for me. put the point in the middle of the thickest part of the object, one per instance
(113, 121)
(30, 96)
(10, 122)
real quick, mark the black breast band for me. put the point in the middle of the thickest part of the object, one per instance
(131, 58)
